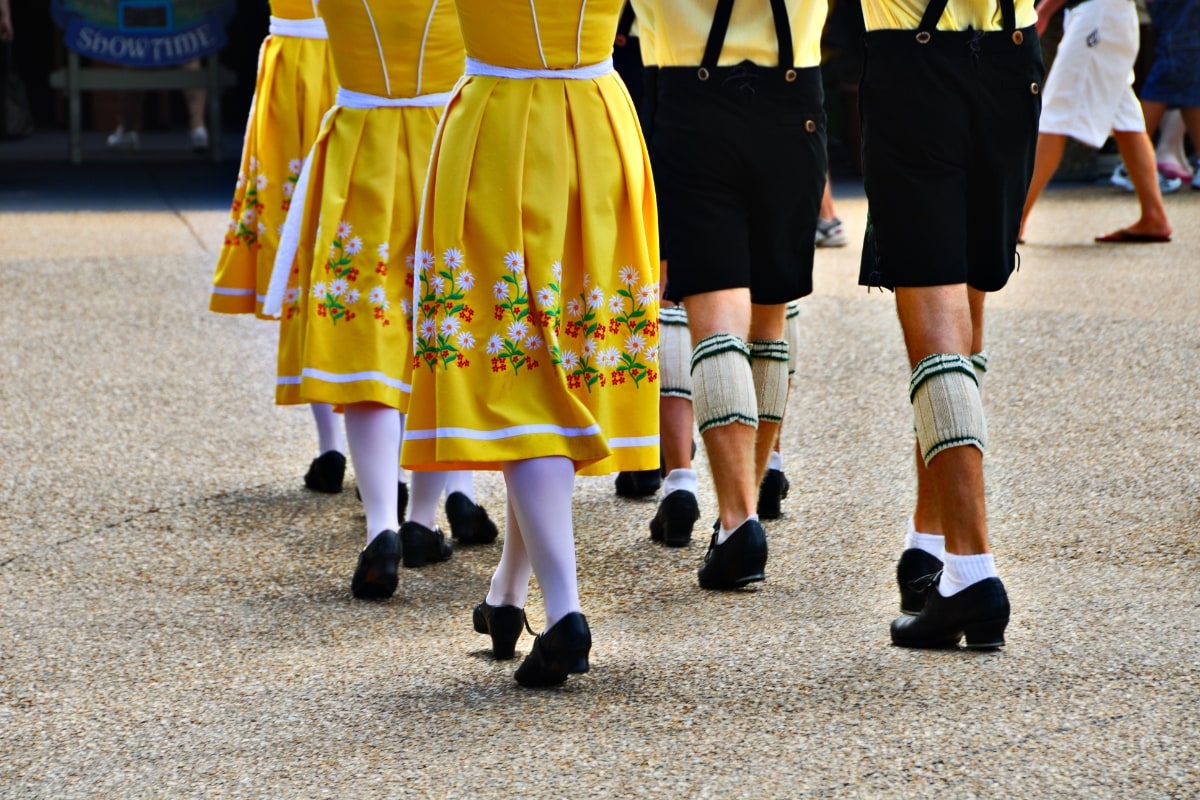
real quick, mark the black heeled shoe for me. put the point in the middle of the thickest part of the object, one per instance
(739, 560)
(376, 576)
(503, 624)
(469, 521)
(771, 493)
(978, 613)
(559, 652)
(673, 522)
(420, 545)
(326, 472)
(916, 575)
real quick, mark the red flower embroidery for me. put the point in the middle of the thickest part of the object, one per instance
(467, 313)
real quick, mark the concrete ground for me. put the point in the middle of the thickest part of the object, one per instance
(175, 619)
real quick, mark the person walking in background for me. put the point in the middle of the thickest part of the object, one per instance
(950, 97)
(1174, 79)
(293, 89)
(1088, 95)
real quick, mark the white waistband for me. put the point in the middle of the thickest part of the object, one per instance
(299, 28)
(348, 98)
(475, 67)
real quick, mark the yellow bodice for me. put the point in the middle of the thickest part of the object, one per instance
(394, 48)
(294, 9)
(539, 34)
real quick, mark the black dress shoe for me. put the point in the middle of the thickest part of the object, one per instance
(503, 624)
(916, 574)
(401, 498)
(469, 522)
(677, 514)
(375, 577)
(326, 472)
(559, 652)
(979, 613)
(771, 492)
(422, 545)
(642, 483)
(740, 560)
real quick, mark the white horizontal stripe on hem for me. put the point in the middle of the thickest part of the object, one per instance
(232, 292)
(355, 377)
(501, 433)
(633, 441)
(288, 380)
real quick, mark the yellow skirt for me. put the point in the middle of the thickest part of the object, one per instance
(295, 87)
(537, 297)
(347, 310)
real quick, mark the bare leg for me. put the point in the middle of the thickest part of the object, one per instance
(1138, 154)
(1050, 148)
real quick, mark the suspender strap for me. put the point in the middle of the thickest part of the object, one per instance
(783, 33)
(625, 23)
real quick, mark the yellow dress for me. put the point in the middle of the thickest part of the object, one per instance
(537, 293)
(293, 90)
(347, 309)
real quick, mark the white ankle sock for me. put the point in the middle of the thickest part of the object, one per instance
(775, 460)
(424, 493)
(374, 435)
(329, 428)
(960, 572)
(462, 481)
(540, 492)
(724, 534)
(932, 543)
(684, 479)
(510, 581)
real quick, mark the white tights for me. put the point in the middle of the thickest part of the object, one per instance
(374, 433)
(329, 430)
(540, 537)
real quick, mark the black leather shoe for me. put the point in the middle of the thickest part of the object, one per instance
(503, 624)
(469, 522)
(422, 545)
(559, 652)
(771, 492)
(326, 472)
(642, 483)
(401, 498)
(677, 514)
(979, 613)
(375, 577)
(916, 574)
(740, 560)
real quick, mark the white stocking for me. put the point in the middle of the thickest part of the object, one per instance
(329, 430)
(463, 481)
(539, 490)
(424, 492)
(374, 435)
(510, 581)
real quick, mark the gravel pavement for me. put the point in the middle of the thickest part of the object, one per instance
(175, 619)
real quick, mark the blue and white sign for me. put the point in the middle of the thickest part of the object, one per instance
(143, 33)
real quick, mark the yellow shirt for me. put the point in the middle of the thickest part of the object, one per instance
(982, 15)
(677, 31)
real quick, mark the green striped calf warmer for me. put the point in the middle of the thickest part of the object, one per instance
(769, 363)
(674, 353)
(723, 383)
(791, 332)
(947, 408)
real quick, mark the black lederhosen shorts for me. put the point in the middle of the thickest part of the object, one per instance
(949, 131)
(739, 163)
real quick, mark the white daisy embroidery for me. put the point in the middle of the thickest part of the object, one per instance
(648, 293)
(494, 344)
(261, 182)
(500, 290)
(574, 308)
(318, 289)
(465, 340)
(634, 343)
(595, 297)
(428, 328)
(629, 275)
(450, 326)
(615, 304)
(514, 261)
(518, 330)
(570, 360)
(608, 357)
(354, 246)
(351, 297)
(343, 229)
(382, 250)
(466, 280)
(338, 287)
(453, 257)
(546, 297)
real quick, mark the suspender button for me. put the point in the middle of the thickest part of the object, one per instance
(923, 37)
(1034, 88)
(810, 126)
(790, 76)
(702, 73)
(1018, 37)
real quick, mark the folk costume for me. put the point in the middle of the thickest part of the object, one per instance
(537, 297)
